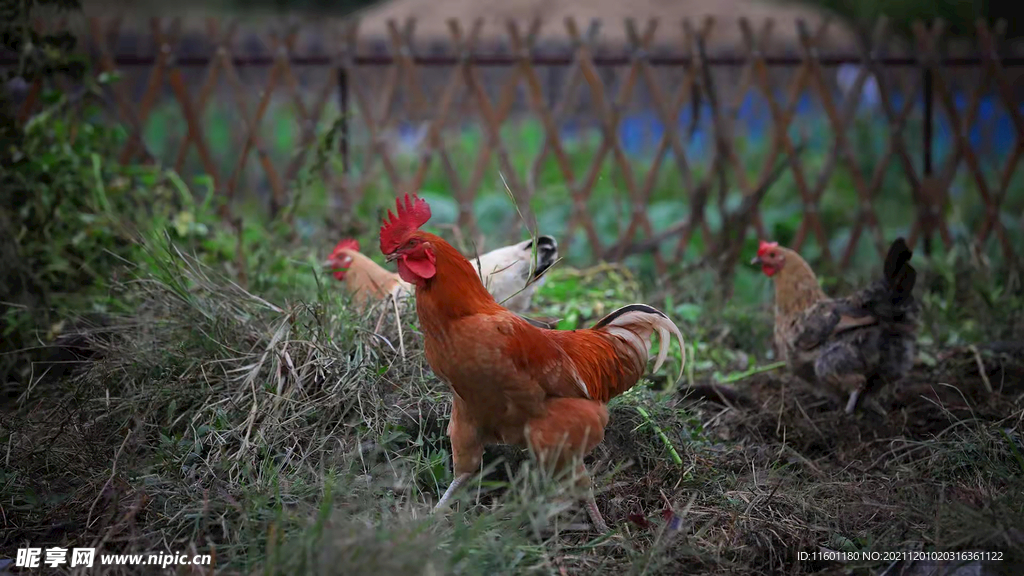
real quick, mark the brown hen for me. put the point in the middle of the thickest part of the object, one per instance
(850, 345)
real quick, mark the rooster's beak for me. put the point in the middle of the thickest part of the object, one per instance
(756, 261)
(391, 257)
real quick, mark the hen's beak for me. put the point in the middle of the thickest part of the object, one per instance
(756, 261)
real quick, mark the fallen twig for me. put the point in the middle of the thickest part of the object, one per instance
(981, 367)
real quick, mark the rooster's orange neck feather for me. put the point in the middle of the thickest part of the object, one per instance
(455, 290)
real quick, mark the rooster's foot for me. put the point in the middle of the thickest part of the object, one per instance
(445, 500)
(595, 515)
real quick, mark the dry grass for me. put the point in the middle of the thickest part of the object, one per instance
(290, 439)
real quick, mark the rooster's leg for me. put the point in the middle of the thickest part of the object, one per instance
(461, 479)
(467, 450)
(595, 512)
(571, 428)
(583, 480)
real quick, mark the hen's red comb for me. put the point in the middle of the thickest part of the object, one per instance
(346, 244)
(765, 247)
(412, 213)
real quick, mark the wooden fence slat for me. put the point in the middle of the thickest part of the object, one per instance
(492, 120)
(212, 73)
(309, 124)
(165, 48)
(551, 119)
(434, 139)
(642, 195)
(841, 120)
(811, 219)
(962, 124)
(251, 125)
(374, 126)
(609, 118)
(435, 145)
(699, 195)
(552, 140)
(997, 73)
(728, 153)
(192, 122)
(402, 44)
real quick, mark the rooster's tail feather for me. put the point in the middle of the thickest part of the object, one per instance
(636, 323)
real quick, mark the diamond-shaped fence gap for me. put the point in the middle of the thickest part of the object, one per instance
(840, 207)
(524, 137)
(164, 129)
(698, 137)
(783, 211)
(669, 184)
(753, 117)
(280, 130)
(811, 250)
(369, 84)
(404, 143)
(1014, 200)
(193, 165)
(612, 218)
(254, 192)
(499, 221)
(219, 122)
(890, 201)
(991, 115)
(966, 88)
(549, 187)
(362, 155)
(553, 216)
(639, 131)
(573, 246)
(437, 178)
(465, 113)
(317, 92)
(664, 209)
(1012, 212)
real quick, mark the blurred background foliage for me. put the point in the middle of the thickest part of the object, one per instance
(959, 15)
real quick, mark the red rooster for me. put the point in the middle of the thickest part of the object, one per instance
(512, 382)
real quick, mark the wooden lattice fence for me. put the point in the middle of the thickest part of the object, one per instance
(375, 91)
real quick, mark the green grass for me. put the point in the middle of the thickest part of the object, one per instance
(271, 429)
(211, 389)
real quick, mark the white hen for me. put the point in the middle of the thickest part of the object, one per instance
(505, 272)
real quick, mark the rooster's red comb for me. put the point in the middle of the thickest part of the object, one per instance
(764, 247)
(346, 244)
(413, 212)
